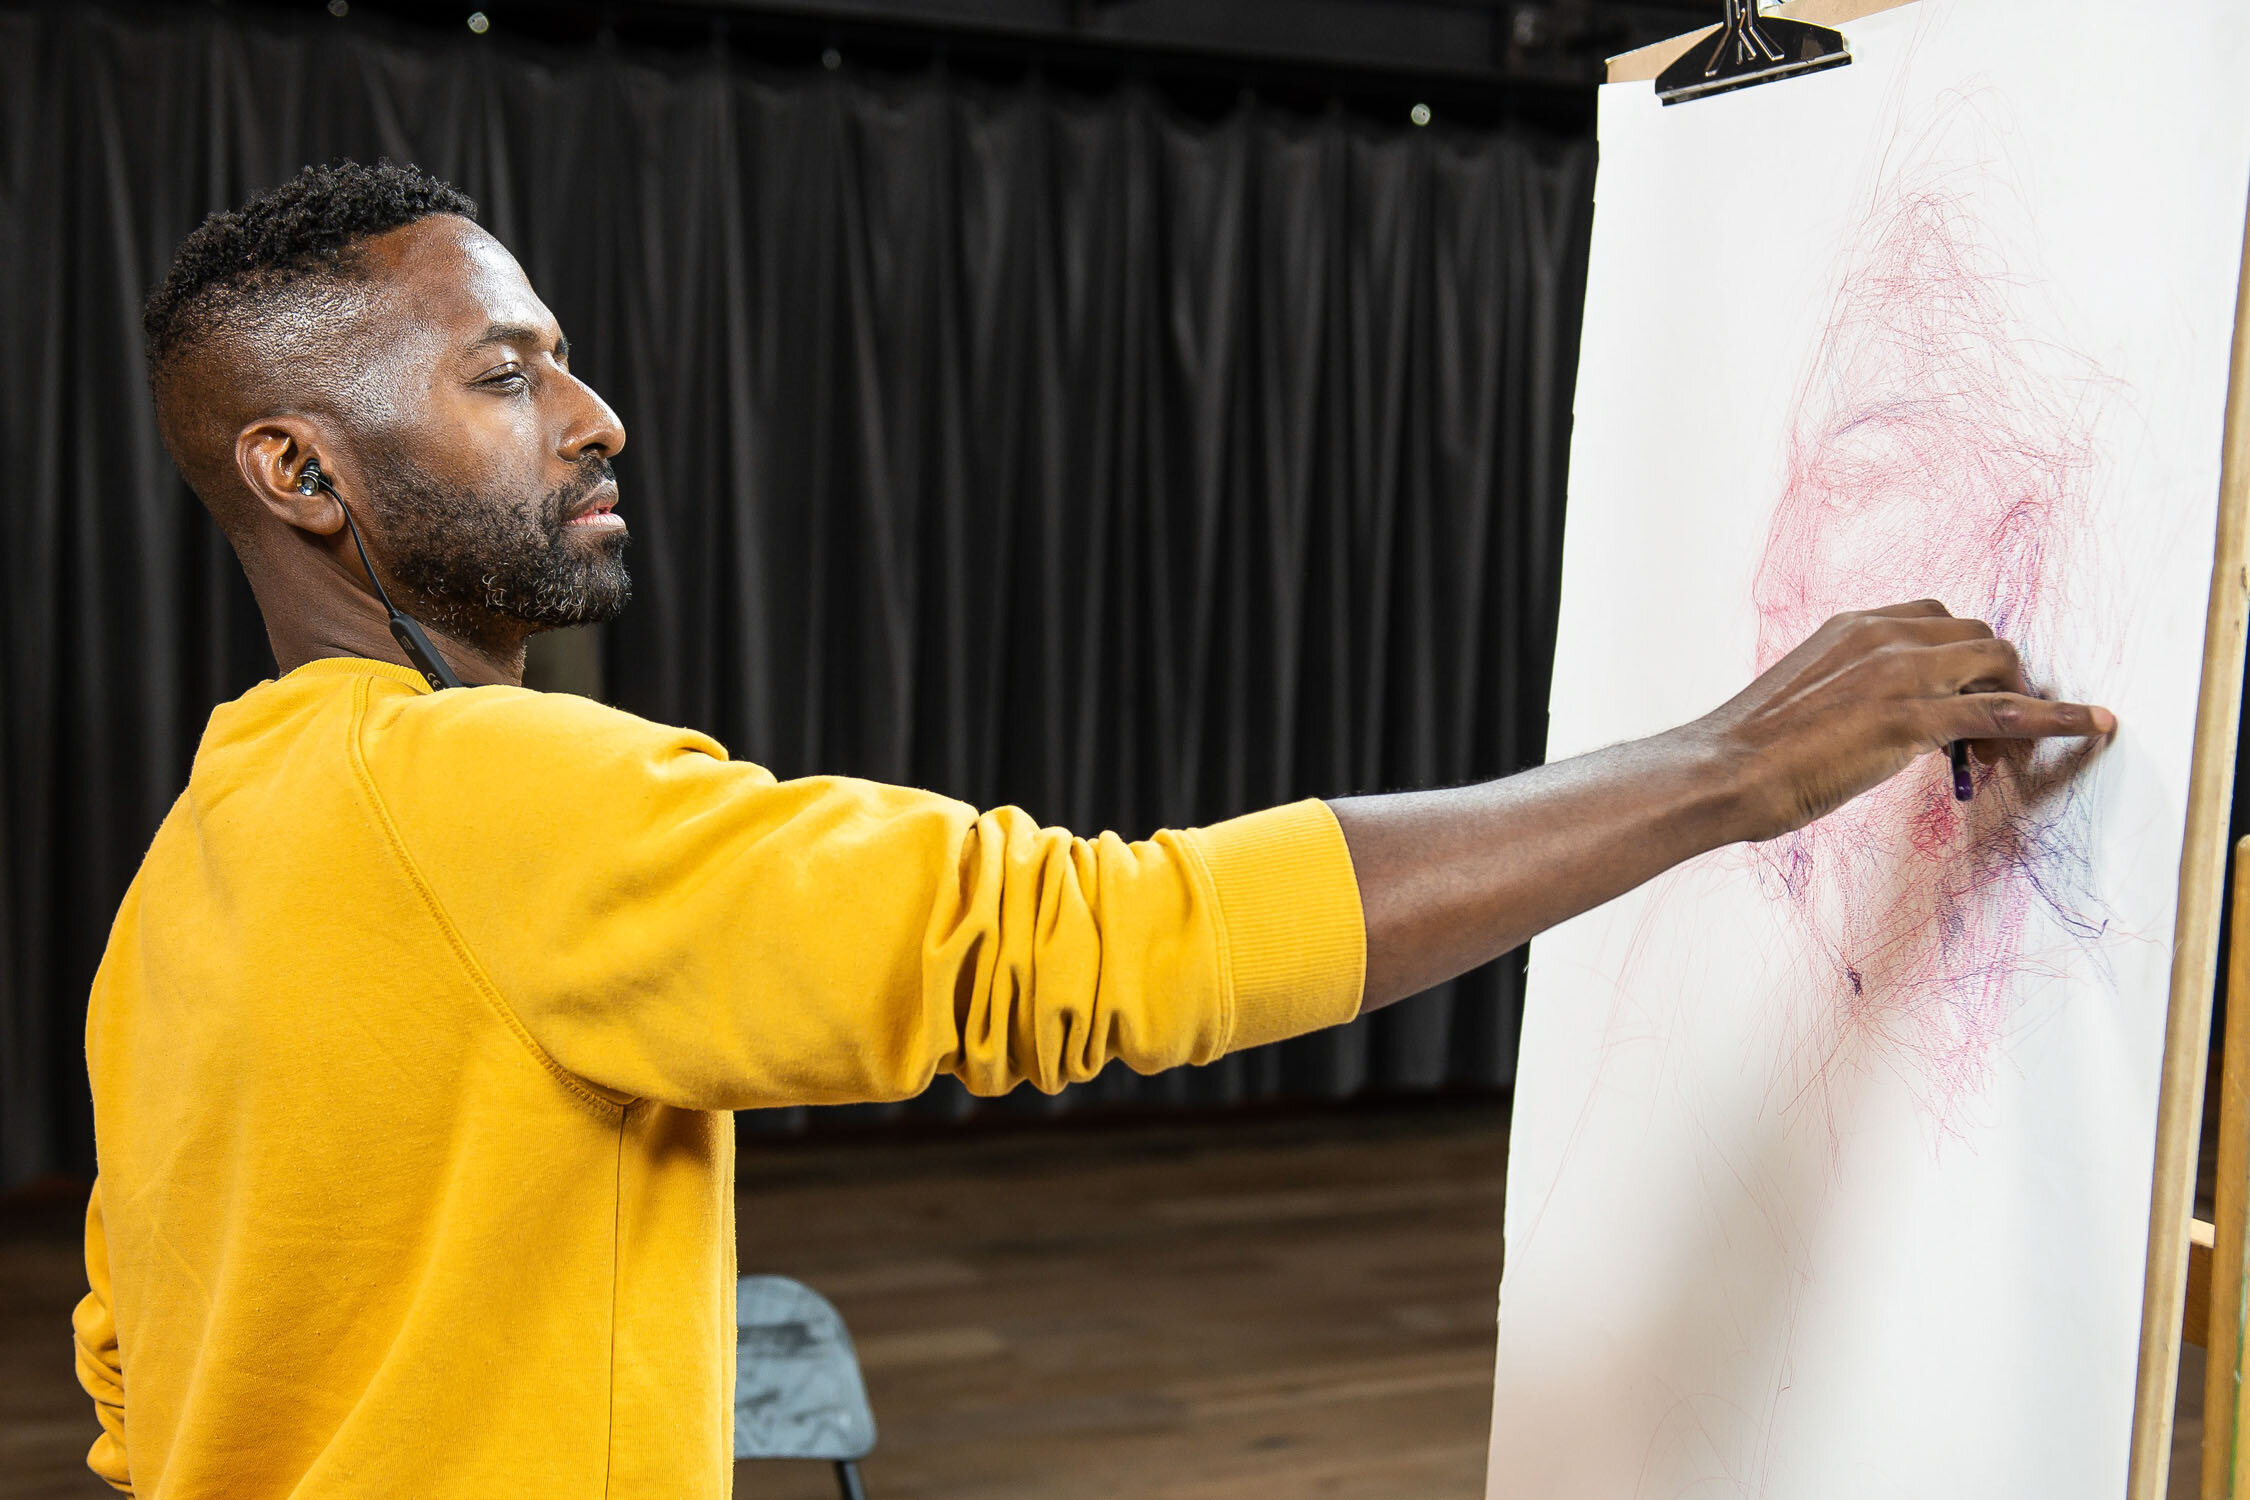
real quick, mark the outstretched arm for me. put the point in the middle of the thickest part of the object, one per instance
(1449, 879)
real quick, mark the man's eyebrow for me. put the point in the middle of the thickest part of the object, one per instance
(517, 333)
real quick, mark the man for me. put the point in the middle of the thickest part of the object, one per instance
(414, 1040)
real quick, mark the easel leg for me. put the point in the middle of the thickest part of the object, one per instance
(2195, 943)
(2225, 1466)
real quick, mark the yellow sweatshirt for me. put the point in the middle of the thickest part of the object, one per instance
(413, 1045)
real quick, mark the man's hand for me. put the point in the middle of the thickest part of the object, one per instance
(1866, 694)
(1449, 879)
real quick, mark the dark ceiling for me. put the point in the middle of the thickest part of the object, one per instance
(1485, 39)
(1465, 58)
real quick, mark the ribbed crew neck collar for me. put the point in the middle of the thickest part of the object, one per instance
(358, 666)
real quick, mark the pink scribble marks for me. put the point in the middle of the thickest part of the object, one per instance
(1938, 447)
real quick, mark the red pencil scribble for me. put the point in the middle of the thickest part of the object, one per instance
(1940, 446)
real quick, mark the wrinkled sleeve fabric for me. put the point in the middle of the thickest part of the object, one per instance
(668, 924)
(101, 1367)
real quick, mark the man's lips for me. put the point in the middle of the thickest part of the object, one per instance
(598, 511)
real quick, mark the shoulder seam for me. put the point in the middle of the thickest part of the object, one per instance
(604, 1109)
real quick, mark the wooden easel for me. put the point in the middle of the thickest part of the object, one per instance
(2197, 1283)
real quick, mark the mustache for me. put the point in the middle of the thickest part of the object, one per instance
(593, 471)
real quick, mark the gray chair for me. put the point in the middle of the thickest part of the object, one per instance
(797, 1391)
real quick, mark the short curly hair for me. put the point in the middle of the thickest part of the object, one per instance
(239, 260)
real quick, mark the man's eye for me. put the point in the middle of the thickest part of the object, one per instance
(507, 380)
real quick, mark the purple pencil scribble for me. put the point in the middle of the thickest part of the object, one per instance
(1938, 446)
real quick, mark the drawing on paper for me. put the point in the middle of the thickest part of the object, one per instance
(1940, 438)
(1828, 1171)
(1942, 435)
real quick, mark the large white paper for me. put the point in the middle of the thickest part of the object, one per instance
(1831, 1158)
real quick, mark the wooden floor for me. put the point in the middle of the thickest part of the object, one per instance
(1299, 1307)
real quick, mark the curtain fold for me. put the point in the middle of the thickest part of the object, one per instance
(1058, 448)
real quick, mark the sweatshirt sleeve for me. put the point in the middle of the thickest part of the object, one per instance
(101, 1368)
(665, 923)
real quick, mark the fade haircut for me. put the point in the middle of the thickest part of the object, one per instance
(260, 311)
(239, 261)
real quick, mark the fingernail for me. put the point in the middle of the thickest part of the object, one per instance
(2105, 722)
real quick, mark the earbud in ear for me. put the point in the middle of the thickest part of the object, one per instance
(309, 481)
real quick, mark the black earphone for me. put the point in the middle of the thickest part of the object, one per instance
(411, 638)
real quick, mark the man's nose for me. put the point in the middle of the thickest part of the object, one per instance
(594, 428)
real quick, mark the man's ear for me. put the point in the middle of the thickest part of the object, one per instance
(271, 455)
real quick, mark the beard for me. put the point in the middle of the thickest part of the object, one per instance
(477, 564)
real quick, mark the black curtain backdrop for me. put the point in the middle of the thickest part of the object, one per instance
(1068, 449)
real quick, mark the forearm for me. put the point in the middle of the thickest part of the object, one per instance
(1449, 879)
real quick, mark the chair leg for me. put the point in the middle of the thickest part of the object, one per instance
(847, 1480)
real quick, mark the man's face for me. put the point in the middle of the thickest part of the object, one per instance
(486, 462)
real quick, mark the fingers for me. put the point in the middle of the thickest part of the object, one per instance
(1939, 629)
(1919, 609)
(2016, 716)
(1923, 623)
(1978, 664)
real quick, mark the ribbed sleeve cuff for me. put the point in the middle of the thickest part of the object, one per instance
(1296, 940)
